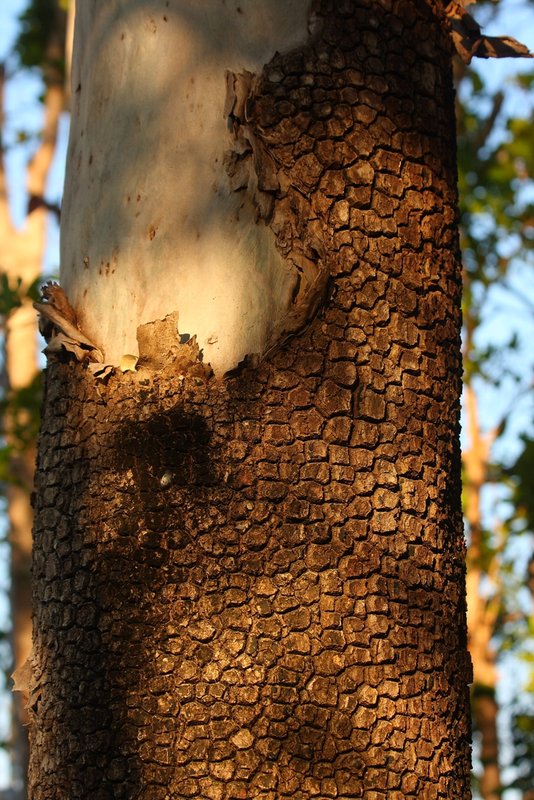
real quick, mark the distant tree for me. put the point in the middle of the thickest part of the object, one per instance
(40, 45)
(496, 165)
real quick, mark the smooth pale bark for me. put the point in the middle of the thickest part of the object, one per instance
(151, 223)
(254, 587)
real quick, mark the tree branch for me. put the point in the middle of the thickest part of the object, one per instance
(39, 166)
(489, 123)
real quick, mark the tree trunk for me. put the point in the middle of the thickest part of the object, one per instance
(252, 586)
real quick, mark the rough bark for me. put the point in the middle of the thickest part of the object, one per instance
(254, 588)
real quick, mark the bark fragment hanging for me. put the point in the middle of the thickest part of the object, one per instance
(28, 681)
(469, 40)
(251, 166)
(162, 347)
(58, 324)
(248, 164)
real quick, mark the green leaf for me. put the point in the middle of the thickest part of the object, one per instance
(10, 294)
(40, 24)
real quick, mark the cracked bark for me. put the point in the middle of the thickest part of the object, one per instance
(254, 588)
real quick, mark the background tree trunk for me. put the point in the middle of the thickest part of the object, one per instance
(482, 613)
(254, 586)
(21, 258)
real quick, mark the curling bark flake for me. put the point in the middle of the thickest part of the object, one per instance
(152, 223)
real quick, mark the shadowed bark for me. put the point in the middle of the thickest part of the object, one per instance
(254, 587)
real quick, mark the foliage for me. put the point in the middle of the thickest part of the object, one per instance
(19, 410)
(41, 25)
(497, 216)
(496, 172)
(523, 744)
(521, 474)
(9, 295)
(12, 293)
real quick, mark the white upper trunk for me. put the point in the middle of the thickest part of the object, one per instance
(150, 224)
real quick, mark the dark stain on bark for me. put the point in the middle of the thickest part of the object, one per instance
(171, 442)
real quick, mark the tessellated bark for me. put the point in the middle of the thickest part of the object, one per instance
(253, 587)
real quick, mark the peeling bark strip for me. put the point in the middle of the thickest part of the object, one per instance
(469, 40)
(251, 165)
(59, 326)
(255, 588)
